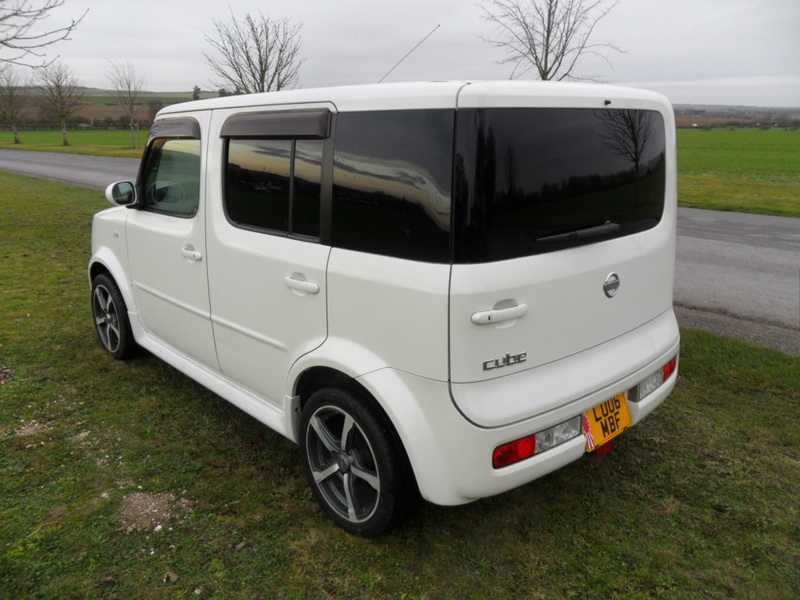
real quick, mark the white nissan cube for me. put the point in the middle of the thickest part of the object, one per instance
(440, 291)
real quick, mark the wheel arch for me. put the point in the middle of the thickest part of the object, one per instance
(410, 405)
(106, 263)
(319, 377)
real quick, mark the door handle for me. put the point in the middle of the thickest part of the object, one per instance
(309, 287)
(486, 317)
(191, 254)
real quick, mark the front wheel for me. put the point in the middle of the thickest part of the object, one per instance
(355, 463)
(111, 318)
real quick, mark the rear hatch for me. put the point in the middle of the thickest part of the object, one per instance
(518, 315)
(564, 242)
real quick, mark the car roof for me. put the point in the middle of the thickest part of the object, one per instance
(438, 94)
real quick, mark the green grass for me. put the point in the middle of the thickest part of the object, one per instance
(110, 142)
(161, 97)
(698, 501)
(742, 170)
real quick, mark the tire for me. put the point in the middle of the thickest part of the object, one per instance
(111, 319)
(355, 463)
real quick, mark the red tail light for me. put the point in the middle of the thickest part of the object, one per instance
(513, 452)
(670, 367)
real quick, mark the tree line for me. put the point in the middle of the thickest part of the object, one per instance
(258, 53)
(54, 93)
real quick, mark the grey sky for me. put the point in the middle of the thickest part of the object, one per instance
(693, 51)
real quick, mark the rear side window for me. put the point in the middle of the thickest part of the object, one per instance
(274, 185)
(536, 180)
(273, 170)
(392, 179)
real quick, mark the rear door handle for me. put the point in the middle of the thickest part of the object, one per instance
(309, 287)
(486, 317)
(191, 254)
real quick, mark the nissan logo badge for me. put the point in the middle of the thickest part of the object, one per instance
(611, 285)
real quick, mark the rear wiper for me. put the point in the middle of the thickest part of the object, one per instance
(579, 234)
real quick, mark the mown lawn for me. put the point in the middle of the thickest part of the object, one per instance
(742, 170)
(127, 480)
(95, 142)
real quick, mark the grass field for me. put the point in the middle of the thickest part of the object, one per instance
(127, 480)
(742, 170)
(109, 142)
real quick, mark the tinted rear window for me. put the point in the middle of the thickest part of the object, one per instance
(535, 180)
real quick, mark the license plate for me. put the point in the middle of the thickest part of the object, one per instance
(606, 421)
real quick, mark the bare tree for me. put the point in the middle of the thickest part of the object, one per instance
(60, 93)
(21, 37)
(627, 133)
(14, 101)
(256, 54)
(127, 88)
(549, 36)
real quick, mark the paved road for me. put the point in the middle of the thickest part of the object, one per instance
(94, 172)
(731, 264)
(747, 266)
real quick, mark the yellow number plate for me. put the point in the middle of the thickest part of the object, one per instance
(606, 421)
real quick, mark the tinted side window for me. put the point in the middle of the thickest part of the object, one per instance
(274, 185)
(392, 178)
(306, 189)
(172, 177)
(535, 180)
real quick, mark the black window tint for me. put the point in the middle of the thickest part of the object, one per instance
(257, 191)
(534, 180)
(392, 180)
(171, 177)
(307, 189)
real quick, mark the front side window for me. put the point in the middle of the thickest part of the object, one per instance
(274, 185)
(536, 180)
(171, 182)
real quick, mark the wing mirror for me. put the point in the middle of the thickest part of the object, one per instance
(122, 193)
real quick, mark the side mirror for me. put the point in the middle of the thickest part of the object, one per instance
(122, 193)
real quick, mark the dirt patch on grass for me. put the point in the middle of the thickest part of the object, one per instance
(5, 375)
(146, 511)
(30, 429)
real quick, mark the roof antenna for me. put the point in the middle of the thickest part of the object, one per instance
(409, 52)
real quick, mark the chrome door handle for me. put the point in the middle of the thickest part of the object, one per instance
(309, 287)
(486, 317)
(191, 254)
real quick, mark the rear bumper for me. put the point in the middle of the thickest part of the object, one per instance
(452, 456)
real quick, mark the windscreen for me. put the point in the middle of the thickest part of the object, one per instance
(534, 180)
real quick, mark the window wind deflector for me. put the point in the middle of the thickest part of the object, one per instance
(579, 234)
(181, 127)
(299, 124)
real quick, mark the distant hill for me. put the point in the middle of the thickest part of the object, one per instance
(698, 115)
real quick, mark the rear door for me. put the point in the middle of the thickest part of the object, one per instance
(267, 268)
(562, 238)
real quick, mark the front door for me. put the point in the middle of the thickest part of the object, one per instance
(166, 240)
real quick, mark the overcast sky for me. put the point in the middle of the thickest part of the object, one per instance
(693, 51)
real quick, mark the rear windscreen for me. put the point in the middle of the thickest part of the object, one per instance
(534, 180)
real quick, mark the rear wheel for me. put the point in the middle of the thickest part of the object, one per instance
(111, 318)
(355, 463)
